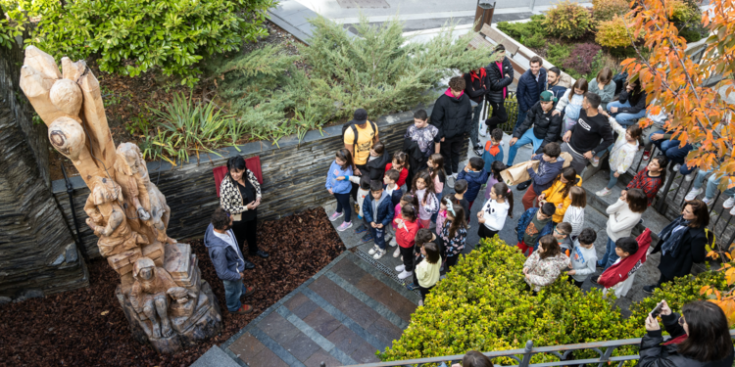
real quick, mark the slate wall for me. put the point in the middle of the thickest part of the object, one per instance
(293, 179)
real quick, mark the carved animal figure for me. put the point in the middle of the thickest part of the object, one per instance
(148, 295)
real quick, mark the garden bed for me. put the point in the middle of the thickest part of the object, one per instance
(86, 327)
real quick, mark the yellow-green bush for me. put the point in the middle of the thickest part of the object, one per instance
(613, 33)
(568, 20)
(603, 10)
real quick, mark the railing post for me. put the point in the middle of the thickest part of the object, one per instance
(527, 354)
(662, 204)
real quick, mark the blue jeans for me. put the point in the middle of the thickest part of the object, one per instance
(521, 118)
(527, 138)
(475, 122)
(610, 256)
(233, 291)
(699, 179)
(712, 183)
(623, 118)
(378, 236)
(671, 149)
(613, 179)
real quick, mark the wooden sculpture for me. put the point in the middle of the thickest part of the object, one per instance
(161, 292)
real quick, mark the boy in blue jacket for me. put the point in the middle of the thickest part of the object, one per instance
(378, 212)
(475, 175)
(227, 260)
(493, 149)
(534, 224)
(548, 170)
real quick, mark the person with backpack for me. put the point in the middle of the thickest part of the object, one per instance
(359, 136)
(452, 115)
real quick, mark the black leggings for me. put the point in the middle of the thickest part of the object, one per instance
(485, 232)
(424, 292)
(247, 231)
(451, 149)
(407, 254)
(343, 205)
(499, 116)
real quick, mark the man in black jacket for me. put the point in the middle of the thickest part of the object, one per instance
(452, 115)
(590, 135)
(476, 81)
(500, 75)
(546, 127)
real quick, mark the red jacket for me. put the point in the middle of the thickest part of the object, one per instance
(406, 239)
(401, 175)
(625, 268)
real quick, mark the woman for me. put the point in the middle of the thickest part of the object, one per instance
(630, 106)
(545, 265)
(603, 86)
(240, 196)
(624, 215)
(699, 338)
(682, 243)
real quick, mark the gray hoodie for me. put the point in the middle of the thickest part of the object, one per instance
(227, 262)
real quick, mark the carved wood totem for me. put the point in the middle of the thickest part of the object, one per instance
(161, 290)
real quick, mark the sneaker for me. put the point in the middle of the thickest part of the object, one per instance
(689, 177)
(421, 302)
(367, 238)
(397, 252)
(468, 226)
(729, 203)
(400, 268)
(732, 211)
(604, 192)
(412, 287)
(393, 243)
(373, 250)
(483, 132)
(454, 176)
(708, 201)
(342, 227)
(646, 155)
(335, 216)
(405, 274)
(649, 288)
(595, 161)
(676, 167)
(379, 254)
(360, 229)
(478, 150)
(524, 185)
(594, 279)
(693, 194)
(244, 309)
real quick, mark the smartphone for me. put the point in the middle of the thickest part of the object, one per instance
(657, 310)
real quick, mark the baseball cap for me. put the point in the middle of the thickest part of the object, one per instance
(360, 116)
(547, 96)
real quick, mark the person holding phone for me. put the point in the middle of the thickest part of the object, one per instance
(700, 337)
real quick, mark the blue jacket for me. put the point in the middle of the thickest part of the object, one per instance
(546, 174)
(396, 196)
(529, 90)
(489, 158)
(338, 187)
(227, 262)
(475, 180)
(525, 220)
(384, 213)
(558, 91)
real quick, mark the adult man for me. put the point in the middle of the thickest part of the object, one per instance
(475, 87)
(553, 77)
(530, 86)
(500, 74)
(452, 115)
(359, 137)
(582, 141)
(227, 260)
(546, 127)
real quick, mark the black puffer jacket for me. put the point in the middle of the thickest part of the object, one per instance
(376, 167)
(545, 125)
(654, 354)
(452, 115)
(691, 250)
(476, 88)
(497, 83)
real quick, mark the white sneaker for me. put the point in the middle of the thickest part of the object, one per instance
(374, 250)
(454, 175)
(379, 254)
(708, 201)
(595, 161)
(397, 252)
(729, 203)
(732, 211)
(693, 194)
(483, 132)
(421, 303)
(676, 167)
(400, 268)
(405, 274)
(393, 243)
(604, 192)
(689, 177)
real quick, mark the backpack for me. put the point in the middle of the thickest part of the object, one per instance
(351, 124)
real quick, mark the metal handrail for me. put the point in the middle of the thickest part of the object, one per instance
(529, 351)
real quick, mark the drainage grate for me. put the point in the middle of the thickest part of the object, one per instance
(363, 4)
(384, 269)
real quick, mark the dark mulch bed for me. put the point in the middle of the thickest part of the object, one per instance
(86, 327)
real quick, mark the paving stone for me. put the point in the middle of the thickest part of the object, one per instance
(345, 339)
(247, 345)
(300, 346)
(266, 357)
(302, 306)
(345, 302)
(215, 357)
(317, 358)
(296, 301)
(348, 271)
(385, 331)
(322, 322)
(364, 353)
(393, 300)
(278, 328)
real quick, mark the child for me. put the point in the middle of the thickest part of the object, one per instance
(493, 214)
(621, 153)
(341, 167)
(584, 257)
(423, 189)
(561, 233)
(378, 211)
(436, 168)
(624, 247)
(427, 272)
(454, 234)
(377, 162)
(494, 177)
(493, 151)
(623, 216)
(400, 164)
(442, 214)
(544, 266)
(423, 237)
(544, 177)
(532, 225)
(575, 212)
(406, 199)
(571, 104)
(651, 178)
(460, 188)
(362, 192)
(408, 226)
(390, 184)
(558, 193)
(476, 176)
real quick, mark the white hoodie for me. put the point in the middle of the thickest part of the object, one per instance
(495, 214)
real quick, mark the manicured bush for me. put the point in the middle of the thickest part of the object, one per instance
(133, 36)
(530, 34)
(568, 20)
(604, 10)
(557, 53)
(581, 57)
(613, 33)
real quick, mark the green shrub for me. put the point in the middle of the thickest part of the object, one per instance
(613, 33)
(133, 36)
(604, 10)
(530, 34)
(568, 20)
(557, 53)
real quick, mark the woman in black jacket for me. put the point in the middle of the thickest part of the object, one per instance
(699, 338)
(682, 243)
(630, 106)
(500, 76)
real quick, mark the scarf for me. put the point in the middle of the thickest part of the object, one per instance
(473, 75)
(671, 239)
